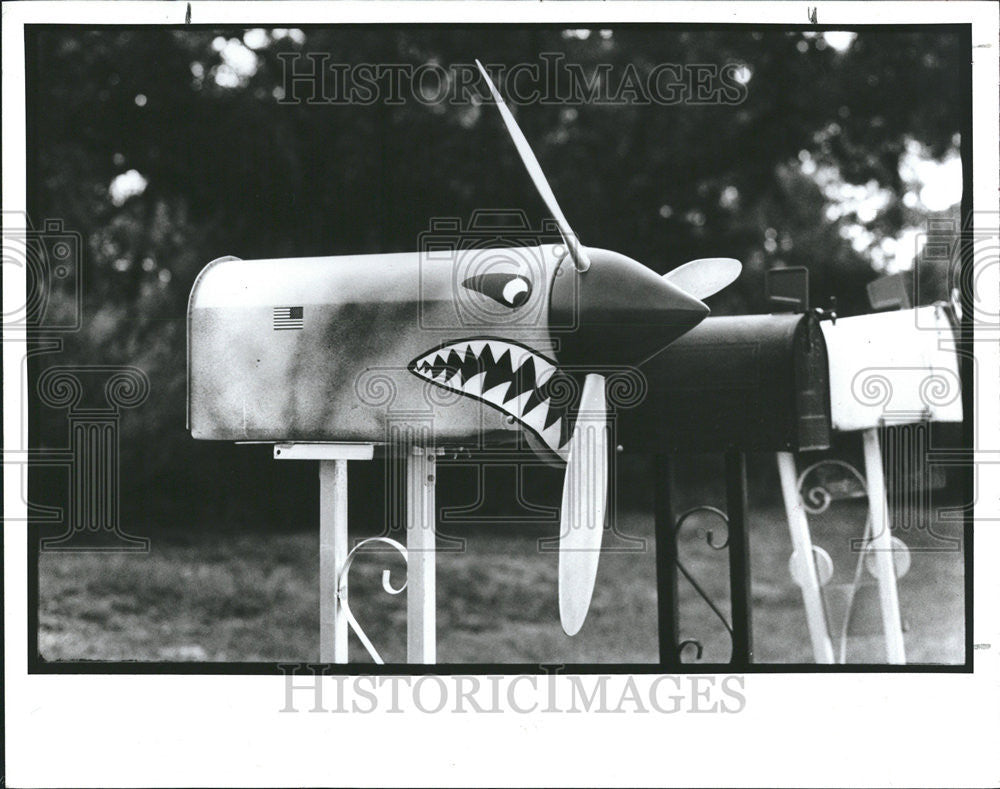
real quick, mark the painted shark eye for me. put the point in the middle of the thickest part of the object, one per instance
(511, 290)
(515, 292)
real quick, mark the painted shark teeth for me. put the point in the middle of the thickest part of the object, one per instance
(507, 376)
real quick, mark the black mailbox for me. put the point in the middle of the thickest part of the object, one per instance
(752, 382)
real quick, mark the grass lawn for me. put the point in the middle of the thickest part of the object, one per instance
(218, 596)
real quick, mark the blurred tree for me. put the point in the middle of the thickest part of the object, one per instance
(222, 166)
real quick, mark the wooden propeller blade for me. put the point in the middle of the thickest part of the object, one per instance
(537, 176)
(705, 276)
(584, 499)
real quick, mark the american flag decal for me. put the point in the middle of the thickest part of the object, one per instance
(287, 318)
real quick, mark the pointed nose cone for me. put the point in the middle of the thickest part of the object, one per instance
(617, 312)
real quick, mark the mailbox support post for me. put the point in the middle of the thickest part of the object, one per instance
(802, 552)
(667, 562)
(739, 558)
(332, 556)
(881, 547)
(668, 615)
(333, 545)
(420, 477)
(421, 580)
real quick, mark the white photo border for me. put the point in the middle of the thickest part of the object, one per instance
(794, 729)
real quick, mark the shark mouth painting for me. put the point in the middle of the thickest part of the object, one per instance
(510, 377)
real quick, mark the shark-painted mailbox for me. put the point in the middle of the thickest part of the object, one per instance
(328, 357)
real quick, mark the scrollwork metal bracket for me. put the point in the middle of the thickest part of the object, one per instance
(342, 586)
(709, 536)
(816, 500)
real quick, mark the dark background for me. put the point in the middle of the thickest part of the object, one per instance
(230, 170)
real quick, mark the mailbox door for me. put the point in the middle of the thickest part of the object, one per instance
(900, 364)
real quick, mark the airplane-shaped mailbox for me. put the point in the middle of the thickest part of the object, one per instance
(288, 350)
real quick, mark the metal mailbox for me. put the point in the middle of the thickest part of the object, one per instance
(316, 349)
(898, 366)
(754, 382)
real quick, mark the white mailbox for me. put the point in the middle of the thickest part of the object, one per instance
(886, 369)
(893, 364)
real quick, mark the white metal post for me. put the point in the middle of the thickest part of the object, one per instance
(421, 591)
(332, 555)
(333, 545)
(808, 578)
(881, 547)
